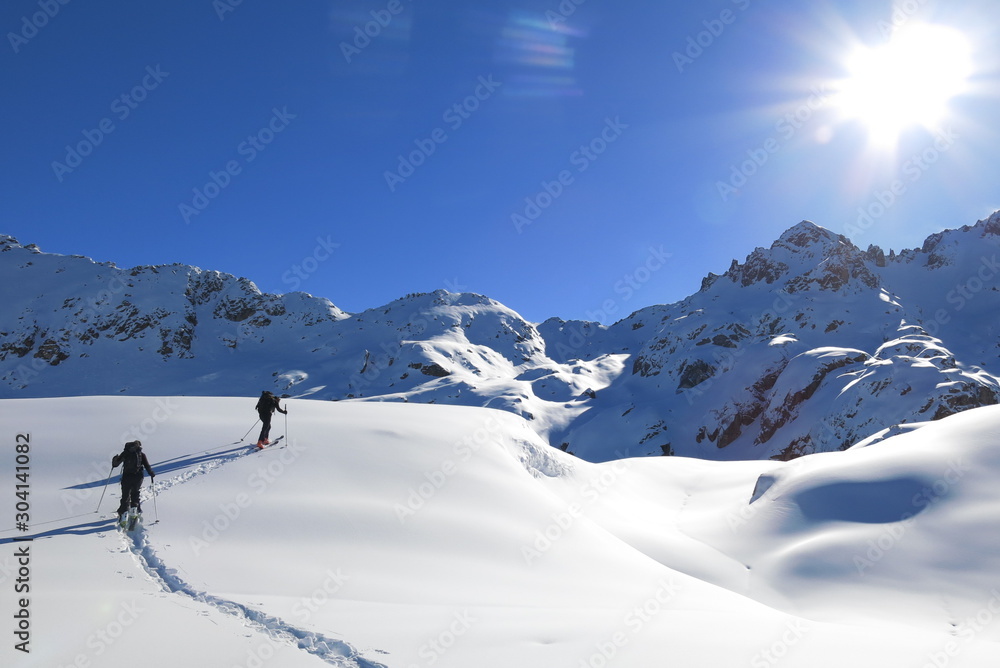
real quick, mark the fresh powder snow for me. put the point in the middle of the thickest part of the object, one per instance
(402, 535)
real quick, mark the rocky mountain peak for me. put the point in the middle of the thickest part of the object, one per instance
(805, 256)
(806, 234)
(991, 225)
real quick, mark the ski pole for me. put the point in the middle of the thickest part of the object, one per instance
(286, 424)
(105, 488)
(156, 513)
(249, 430)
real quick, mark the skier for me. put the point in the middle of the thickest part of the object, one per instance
(266, 406)
(133, 461)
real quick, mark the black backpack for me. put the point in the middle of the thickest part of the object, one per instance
(131, 458)
(266, 402)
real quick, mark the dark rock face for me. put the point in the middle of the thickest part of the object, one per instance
(695, 374)
(435, 370)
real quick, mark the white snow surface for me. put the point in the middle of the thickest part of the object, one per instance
(404, 535)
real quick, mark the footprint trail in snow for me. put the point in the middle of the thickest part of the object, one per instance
(331, 650)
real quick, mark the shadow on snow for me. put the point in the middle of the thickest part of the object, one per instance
(177, 463)
(81, 529)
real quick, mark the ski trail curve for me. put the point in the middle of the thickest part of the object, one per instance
(332, 651)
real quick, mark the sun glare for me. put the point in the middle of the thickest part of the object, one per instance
(906, 82)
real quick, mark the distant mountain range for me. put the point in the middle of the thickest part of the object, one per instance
(810, 345)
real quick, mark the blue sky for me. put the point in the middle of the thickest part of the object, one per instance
(570, 158)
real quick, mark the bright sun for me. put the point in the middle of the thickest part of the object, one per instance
(906, 82)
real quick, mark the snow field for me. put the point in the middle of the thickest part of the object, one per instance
(412, 535)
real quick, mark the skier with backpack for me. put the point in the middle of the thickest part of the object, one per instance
(266, 406)
(132, 460)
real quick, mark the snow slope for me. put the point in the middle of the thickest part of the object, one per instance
(401, 535)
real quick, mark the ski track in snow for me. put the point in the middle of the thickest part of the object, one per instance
(209, 465)
(330, 650)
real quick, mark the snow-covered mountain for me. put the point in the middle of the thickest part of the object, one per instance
(810, 345)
